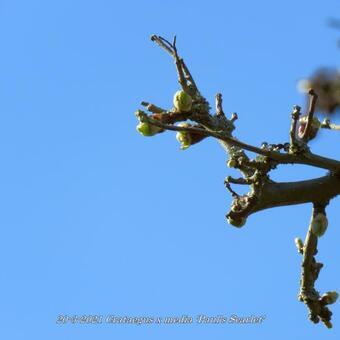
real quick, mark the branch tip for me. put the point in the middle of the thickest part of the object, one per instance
(218, 104)
(312, 103)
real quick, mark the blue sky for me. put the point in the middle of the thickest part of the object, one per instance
(98, 220)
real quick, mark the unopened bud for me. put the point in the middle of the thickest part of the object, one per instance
(299, 244)
(240, 222)
(147, 129)
(313, 129)
(329, 297)
(184, 137)
(182, 101)
(231, 163)
(319, 224)
(328, 324)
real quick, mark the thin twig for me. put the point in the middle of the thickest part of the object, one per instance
(240, 180)
(234, 117)
(181, 77)
(163, 43)
(312, 102)
(232, 192)
(219, 135)
(218, 103)
(189, 77)
(295, 118)
(326, 124)
(184, 75)
(172, 50)
(309, 274)
(152, 108)
(308, 159)
(174, 42)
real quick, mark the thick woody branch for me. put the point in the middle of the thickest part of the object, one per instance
(290, 193)
(272, 194)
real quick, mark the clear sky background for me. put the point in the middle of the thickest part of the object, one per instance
(98, 220)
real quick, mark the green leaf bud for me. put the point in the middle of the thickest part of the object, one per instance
(237, 222)
(147, 129)
(182, 101)
(231, 163)
(184, 137)
(299, 244)
(319, 224)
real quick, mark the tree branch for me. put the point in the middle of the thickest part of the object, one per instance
(276, 194)
(184, 75)
(295, 118)
(326, 124)
(219, 109)
(264, 193)
(306, 158)
(310, 269)
(312, 102)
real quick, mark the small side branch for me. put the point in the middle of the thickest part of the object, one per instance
(163, 43)
(295, 118)
(233, 117)
(152, 108)
(189, 77)
(179, 66)
(219, 109)
(232, 192)
(185, 78)
(311, 109)
(326, 124)
(309, 274)
(241, 180)
(308, 159)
